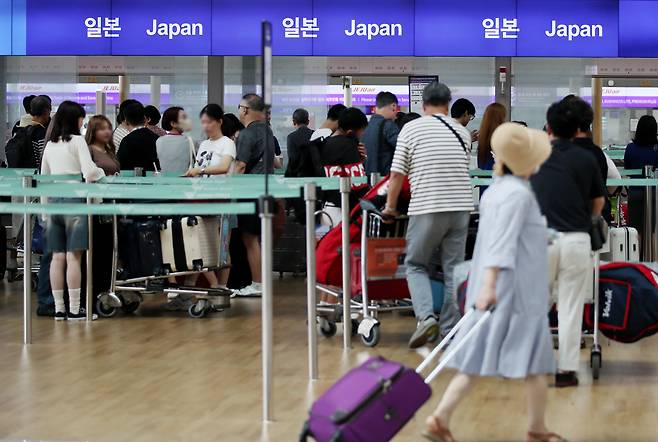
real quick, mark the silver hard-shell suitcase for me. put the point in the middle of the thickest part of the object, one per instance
(190, 243)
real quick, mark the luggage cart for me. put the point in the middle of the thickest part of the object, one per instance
(378, 278)
(16, 246)
(127, 294)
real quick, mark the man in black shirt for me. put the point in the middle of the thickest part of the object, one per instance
(583, 138)
(570, 192)
(342, 154)
(301, 135)
(138, 149)
(255, 155)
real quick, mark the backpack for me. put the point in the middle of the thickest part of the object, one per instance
(306, 164)
(18, 149)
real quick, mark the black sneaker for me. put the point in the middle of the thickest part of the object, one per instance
(81, 316)
(566, 379)
(59, 316)
(46, 310)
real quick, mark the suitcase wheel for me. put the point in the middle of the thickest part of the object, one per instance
(130, 307)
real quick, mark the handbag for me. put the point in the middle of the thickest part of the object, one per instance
(192, 152)
(598, 233)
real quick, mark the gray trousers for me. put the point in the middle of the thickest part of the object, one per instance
(447, 232)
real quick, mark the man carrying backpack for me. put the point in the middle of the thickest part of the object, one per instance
(381, 136)
(24, 149)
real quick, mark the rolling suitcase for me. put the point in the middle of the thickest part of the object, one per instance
(139, 248)
(624, 245)
(374, 401)
(190, 243)
(289, 253)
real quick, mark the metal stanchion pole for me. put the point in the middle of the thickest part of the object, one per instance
(655, 218)
(375, 178)
(310, 196)
(89, 287)
(647, 234)
(266, 215)
(27, 266)
(345, 187)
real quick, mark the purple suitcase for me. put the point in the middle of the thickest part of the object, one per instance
(370, 403)
(374, 401)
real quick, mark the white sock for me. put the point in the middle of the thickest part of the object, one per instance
(59, 301)
(74, 301)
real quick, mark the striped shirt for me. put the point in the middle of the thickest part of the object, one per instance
(119, 134)
(432, 157)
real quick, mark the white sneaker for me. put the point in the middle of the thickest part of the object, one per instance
(253, 290)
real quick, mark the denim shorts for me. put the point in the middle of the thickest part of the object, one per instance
(67, 233)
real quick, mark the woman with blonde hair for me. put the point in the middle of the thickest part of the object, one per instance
(494, 115)
(103, 153)
(101, 146)
(509, 271)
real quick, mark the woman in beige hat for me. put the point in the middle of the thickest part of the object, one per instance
(510, 271)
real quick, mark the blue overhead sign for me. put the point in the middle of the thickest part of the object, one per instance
(568, 28)
(484, 28)
(542, 28)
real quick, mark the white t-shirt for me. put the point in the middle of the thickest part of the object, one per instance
(325, 132)
(211, 152)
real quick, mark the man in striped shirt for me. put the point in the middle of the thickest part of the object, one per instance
(434, 153)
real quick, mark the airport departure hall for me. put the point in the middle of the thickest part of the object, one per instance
(303, 220)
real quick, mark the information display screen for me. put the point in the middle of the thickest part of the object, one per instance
(532, 28)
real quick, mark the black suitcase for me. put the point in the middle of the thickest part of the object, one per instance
(240, 273)
(3, 251)
(139, 248)
(289, 254)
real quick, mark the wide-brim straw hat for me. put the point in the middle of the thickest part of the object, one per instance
(521, 149)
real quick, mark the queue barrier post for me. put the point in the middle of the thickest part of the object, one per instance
(89, 286)
(647, 234)
(310, 197)
(28, 182)
(266, 206)
(345, 187)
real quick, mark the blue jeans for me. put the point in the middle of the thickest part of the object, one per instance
(44, 293)
(445, 231)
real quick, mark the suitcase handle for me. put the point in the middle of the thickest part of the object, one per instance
(444, 343)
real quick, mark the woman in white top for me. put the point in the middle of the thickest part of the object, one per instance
(216, 156)
(67, 153)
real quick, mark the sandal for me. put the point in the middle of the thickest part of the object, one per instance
(544, 437)
(436, 432)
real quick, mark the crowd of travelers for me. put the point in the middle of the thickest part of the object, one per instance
(550, 180)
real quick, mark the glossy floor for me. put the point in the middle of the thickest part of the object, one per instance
(160, 376)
